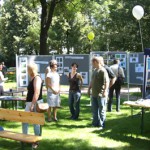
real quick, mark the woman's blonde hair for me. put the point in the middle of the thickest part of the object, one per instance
(33, 67)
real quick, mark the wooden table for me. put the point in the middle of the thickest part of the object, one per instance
(11, 92)
(143, 104)
(12, 99)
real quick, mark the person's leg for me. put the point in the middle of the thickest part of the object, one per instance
(77, 97)
(36, 129)
(49, 113)
(25, 125)
(102, 110)
(71, 103)
(95, 113)
(118, 88)
(55, 113)
(110, 101)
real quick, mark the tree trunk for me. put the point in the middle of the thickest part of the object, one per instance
(43, 42)
(46, 20)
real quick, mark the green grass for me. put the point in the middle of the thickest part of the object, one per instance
(122, 132)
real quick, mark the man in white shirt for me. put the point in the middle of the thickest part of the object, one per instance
(119, 72)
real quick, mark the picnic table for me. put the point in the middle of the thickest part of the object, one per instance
(11, 92)
(141, 103)
(12, 99)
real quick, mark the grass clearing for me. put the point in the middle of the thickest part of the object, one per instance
(122, 132)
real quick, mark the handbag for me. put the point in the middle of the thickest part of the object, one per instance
(119, 80)
(42, 107)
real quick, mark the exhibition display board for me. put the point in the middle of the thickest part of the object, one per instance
(110, 56)
(132, 63)
(64, 67)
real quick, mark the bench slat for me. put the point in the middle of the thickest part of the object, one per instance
(20, 137)
(22, 116)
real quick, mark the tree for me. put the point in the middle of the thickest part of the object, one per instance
(14, 21)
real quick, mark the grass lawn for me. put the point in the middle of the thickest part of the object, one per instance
(121, 133)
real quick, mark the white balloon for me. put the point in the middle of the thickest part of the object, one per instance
(138, 12)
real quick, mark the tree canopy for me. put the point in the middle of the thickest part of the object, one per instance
(39, 27)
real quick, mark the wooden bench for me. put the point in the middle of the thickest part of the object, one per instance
(24, 117)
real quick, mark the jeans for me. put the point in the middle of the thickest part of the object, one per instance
(99, 111)
(117, 89)
(26, 125)
(74, 104)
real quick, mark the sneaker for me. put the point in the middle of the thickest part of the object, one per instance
(49, 120)
(55, 119)
(35, 145)
(100, 128)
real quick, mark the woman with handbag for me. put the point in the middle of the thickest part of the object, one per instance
(34, 96)
(53, 92)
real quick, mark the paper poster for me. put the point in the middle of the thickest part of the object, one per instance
(60, 65)
(148, 63)
(85, 77)
(42, 75)
(134, 58)
(66, 70)
(139, 67)
(96, 55)
(23, 75)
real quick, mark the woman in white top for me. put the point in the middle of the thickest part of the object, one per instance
(53, 85)
(2, 80)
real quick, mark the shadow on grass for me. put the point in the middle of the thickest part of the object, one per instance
(127, 129)
(56, 144)
(10, 125)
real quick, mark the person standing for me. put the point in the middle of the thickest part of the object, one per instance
(119, 72)
(99, 85)
(53, 92)
(34, 96)
(2, 80)
(75, 85)
(4, 69)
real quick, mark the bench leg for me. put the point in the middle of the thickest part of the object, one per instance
(22, 145)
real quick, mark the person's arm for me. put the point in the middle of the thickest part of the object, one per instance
(49, 85)
(81, 80)
(111, 75)
(46, 72)
(106, 84)
(112, 81)
(37, 87)
(2, 77)
(89, 88)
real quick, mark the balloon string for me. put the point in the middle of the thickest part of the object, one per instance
(141, 36)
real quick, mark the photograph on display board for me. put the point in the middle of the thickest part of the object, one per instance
(23, 77)
(42, 75)
(96, 55)
(112, 56)
(66, 70)
(134, 58)
(85, 77)
(139, 68)
(122, 58)
(148, 63)
(60, 64)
